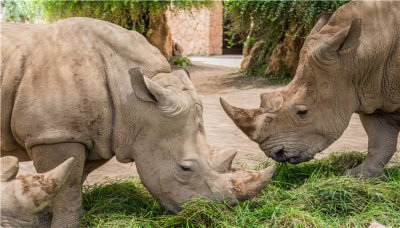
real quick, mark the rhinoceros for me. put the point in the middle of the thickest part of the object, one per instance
(349, 63)
(91, 90)
(23, 197)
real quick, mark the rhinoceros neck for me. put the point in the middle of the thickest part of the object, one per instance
(377, 76)
(117, 58)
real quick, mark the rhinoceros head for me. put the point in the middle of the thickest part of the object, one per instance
(24, 196)
(172, 155)
(296, 122)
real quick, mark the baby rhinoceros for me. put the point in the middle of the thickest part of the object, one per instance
(23, 197)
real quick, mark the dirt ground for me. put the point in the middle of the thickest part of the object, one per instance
(211, 83)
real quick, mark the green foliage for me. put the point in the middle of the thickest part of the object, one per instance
(130, 14)
(272, 20)
(312, 194)
(283, 76)
(182, 61)
(19, 10)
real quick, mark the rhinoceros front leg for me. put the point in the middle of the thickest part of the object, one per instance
(382, 131)
(66, 206)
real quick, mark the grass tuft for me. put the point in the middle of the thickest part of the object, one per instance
(312, 194)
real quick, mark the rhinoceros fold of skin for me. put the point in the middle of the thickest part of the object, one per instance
(349, 63)
(23, 197)
(91, 90)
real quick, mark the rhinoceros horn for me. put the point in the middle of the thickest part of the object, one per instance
(243, 118)
(247, 184)
(222, 161)
(60, 174)
(9, 168)
(34, 192)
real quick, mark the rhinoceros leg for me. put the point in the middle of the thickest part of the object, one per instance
(382, 130)
(67, 203)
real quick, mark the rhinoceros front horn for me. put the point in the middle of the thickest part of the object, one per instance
(243, 118)
(60, 174)
(34, 191)
(247, 184)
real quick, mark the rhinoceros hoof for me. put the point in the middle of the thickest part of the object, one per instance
(362, 172)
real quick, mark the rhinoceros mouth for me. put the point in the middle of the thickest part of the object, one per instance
(285, 155)
(294, 160)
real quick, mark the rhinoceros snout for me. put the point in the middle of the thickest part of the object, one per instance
(294, 160)
(282, 155)
(279, 153)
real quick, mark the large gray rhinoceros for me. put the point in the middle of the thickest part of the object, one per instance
(73, 89)
(350, 63)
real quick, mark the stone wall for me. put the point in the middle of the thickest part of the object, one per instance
(199, 31)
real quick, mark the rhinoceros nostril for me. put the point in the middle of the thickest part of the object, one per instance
(280, 155)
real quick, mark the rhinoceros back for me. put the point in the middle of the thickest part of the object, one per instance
(66, 82)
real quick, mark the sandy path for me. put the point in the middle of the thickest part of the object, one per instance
(211, 83)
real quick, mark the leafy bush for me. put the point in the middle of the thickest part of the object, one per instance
(19, 10)
(181, 61)
(130, 14)
(312, 194)
(273, 21)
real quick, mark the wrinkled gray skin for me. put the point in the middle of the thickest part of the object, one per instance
(74, 89)
(350, 63)
(23, 197)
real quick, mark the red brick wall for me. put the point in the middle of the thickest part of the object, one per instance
(198, 32)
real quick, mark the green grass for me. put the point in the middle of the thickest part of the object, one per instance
(312, 194)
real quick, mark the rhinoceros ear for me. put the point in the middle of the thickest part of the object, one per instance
(343, 41)
(139, 85)
(320, 22)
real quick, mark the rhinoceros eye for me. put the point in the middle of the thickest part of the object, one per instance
(185, 168)
(302, 112)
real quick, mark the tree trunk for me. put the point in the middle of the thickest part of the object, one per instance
(285, 56)
(159, 34)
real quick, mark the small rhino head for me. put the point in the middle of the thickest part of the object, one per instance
(23, 197)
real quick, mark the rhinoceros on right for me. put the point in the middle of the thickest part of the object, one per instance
(349, 63)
